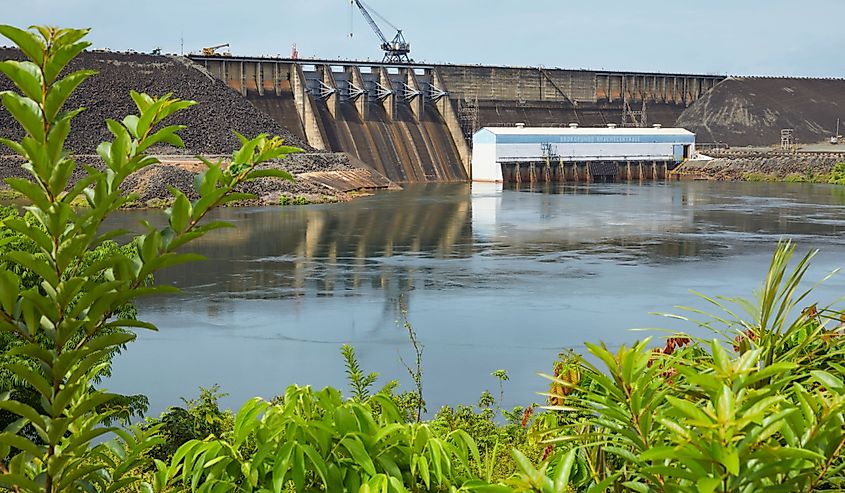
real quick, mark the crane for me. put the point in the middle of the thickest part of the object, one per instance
(210, 51)
(395, 51)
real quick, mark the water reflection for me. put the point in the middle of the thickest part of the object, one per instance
(490, 277)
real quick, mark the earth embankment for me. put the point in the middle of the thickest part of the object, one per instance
(106, 95)
(762, 166)
(208, 131)
(752, 111)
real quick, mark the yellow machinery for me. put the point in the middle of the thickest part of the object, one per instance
(212, 50)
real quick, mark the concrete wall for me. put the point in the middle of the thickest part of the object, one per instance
(573, 86)
(384, 116)
(333, 101)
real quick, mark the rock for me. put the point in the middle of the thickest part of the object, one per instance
(106, 95)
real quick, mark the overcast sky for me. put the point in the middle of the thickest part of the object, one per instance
(745, 37)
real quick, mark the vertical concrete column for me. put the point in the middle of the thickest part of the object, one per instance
(654, 171)
(305, 108)
(450, 116)
(259, 76)
(416, 102)
(628, 170)
(634, 87)
(358, 81)
(640, 171)
(243, 79)
(332, 100)
(623, 83)
(389, 102)
(277, 79)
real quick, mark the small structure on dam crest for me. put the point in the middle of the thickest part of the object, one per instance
(601, 154)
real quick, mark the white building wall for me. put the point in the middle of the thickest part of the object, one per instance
(494, 146)
(484, 163)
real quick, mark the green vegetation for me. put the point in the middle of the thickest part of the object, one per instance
(7, 196)
(296, 200)
(759, 177)
(760, 407)
(835, 177)
(63, 301)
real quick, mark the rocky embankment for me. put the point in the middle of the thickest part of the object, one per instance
(762, 166)
(318, 178)
(208, 131)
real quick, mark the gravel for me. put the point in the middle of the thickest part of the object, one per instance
(208, 132)
(752, 111)
(734, 169)
(106, 95)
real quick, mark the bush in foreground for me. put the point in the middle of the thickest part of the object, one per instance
(759, 408)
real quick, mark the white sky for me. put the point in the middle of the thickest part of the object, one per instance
(747, 37)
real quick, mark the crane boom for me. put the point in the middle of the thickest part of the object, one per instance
(370, 21)
(396, 50)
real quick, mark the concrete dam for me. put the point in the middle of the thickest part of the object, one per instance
(414, 122)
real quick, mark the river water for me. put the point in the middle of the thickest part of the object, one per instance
(489, 277)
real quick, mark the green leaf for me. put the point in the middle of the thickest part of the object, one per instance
(281, 465)
(31, 262)
(727, 456)
(707, 485)
(23, 411)
(31, 377)
(247, 419)
(61, 90)
(9, 290)
(28, 42)
(26, 112)
(636, 486)
(64, 52)
(166, 135)
(828, 380)
(356, 449)
(563, 471)
(25, 75)
(32, 191)
(21, 443)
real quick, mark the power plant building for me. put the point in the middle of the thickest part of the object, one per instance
(606, 152)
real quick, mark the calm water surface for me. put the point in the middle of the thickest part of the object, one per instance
(490, 278)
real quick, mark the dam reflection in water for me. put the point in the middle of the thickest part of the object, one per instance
(490, 279)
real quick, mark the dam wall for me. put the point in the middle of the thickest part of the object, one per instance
(414, 122)
(387, 117)
(538, 96)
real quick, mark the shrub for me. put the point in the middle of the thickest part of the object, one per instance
(759, 177)
(837, 175)
(60, 309)
(696, 416)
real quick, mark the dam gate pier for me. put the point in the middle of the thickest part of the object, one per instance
(560, 171)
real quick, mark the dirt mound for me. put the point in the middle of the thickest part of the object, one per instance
(776, 166)
(752, 111)
(106, 95)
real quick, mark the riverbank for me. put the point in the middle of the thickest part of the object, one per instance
(318, 178)
(766, 166)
